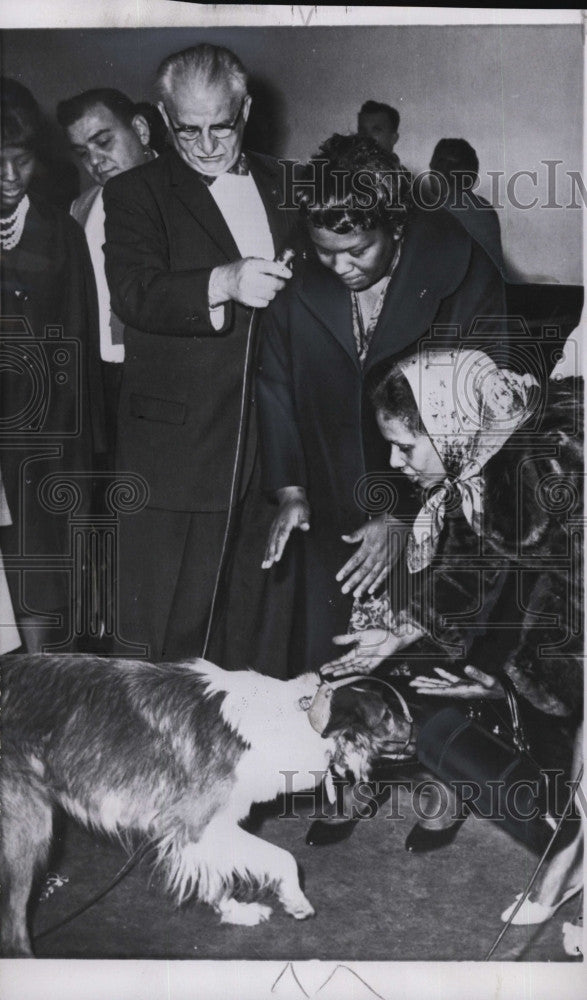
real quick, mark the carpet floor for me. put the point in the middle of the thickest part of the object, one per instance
(373, 901)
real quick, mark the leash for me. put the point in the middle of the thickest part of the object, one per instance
(285, 257)
(128, 866)
(539, 866)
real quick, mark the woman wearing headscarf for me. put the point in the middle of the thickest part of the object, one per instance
(381, 274)
(51, 409)
(493, 588)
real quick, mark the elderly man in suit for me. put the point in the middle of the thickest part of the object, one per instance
(109, 136)
(190, 245)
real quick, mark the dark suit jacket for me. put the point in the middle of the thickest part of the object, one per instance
(180, 397)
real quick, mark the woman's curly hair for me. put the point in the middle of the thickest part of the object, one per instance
(351, 182)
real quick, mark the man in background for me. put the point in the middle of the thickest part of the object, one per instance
(454, 173)
(190, 246)
(109, 136)
(380, 122)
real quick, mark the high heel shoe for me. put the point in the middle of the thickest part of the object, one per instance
(532, 912)
(422, 839)
(322, 833)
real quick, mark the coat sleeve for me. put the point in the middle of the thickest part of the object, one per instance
(546, 661)
(145, 292)
(282, 453)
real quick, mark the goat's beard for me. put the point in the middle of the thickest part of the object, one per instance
(354, 755)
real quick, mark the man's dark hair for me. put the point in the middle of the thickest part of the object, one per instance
(353, 182)
(376, 107)
(454, 159)
(20, 117)
(121, 106)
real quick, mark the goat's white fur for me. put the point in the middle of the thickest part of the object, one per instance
(278, 741)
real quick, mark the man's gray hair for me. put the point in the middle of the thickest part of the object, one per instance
(205, 64)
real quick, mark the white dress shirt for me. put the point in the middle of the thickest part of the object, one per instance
(242, 208)
(241, 205)
(95, 235)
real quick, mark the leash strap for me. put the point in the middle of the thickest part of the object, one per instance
(128, 866)
(285, 257)
(539, 866)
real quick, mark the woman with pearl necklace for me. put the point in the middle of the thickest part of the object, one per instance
(50, 405)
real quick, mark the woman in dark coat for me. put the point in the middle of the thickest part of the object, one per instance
(381, 274)
(51, 417)
(493, 588)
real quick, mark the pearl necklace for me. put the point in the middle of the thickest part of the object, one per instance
(12, 226)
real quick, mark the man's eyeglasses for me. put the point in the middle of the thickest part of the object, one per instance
(222, 131)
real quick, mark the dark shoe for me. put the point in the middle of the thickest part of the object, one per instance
(421, 839)
(323, 832)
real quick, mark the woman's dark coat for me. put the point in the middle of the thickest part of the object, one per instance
(51, 403)
(316, 427)
(512, 599)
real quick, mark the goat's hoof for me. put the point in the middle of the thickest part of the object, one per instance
(300, 910)
(245, 914)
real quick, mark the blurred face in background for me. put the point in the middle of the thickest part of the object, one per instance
(207, 123)
(17, 165)
(377, 126)
(106, 145)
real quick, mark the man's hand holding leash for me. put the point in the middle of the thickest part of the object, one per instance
(251, 281)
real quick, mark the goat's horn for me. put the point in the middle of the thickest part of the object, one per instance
(319, 710)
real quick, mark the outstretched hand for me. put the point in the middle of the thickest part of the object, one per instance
(380, 542)
(294, 512)
(370, 648)
(447, 685)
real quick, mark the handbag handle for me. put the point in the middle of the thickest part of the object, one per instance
(518, 735)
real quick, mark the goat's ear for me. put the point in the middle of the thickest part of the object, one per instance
(321, 706)
(352, 708)
(371, 707)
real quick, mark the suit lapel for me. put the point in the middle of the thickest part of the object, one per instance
(196, 197)
(430, 268)
(433, 263)
(330, 302)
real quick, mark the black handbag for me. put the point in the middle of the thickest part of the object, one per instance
(495, 776)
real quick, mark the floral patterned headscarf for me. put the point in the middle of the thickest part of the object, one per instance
(469, 408)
